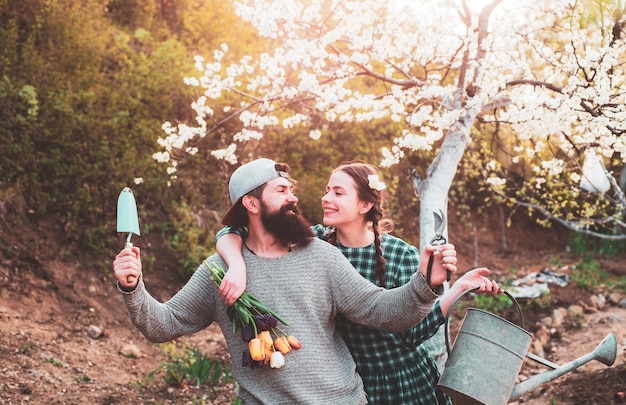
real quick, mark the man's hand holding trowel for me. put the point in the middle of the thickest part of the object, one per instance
(127, 264)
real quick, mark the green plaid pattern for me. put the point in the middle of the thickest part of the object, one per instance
(395, 367)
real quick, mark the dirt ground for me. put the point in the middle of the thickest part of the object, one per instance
(49, 306)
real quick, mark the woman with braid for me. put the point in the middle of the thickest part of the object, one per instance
(395, 367)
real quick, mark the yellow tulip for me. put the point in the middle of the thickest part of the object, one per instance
(282, 345)
(294, 343)
(257, 349)
(268, 353)
(266, 337)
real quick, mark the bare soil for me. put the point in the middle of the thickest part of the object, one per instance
(48, 304)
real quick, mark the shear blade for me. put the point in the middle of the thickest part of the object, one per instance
(440, 222)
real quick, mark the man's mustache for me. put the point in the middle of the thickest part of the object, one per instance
(289, 207)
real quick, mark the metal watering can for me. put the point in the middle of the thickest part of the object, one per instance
(469, 380)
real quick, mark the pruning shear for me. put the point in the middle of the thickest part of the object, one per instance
(437, 240)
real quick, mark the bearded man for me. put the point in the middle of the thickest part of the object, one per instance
(307, 281)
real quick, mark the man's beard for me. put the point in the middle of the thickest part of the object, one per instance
(287, 225)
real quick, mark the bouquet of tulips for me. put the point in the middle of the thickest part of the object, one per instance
(258, 323)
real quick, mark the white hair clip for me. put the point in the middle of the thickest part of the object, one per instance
(375, 183)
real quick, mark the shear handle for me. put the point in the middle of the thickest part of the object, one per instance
(438, 240)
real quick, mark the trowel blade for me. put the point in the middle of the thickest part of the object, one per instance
(127, 220)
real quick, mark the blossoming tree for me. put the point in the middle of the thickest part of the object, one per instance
(536, 74)
(544, 80)
(567, 116)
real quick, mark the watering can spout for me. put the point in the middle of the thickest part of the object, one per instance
(605, 352)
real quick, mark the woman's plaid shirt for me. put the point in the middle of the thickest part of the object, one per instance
(395, 368)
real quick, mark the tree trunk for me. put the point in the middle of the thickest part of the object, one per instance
(433, 194)
(435, 187)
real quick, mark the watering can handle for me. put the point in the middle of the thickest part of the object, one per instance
(447, 324)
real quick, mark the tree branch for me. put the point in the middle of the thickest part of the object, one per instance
(405, 84)
(483, 32)
(415, 178)
(502, 102)
(578, 226)
(536, 83)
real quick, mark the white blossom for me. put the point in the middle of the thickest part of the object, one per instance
(315, 134)
(161, 157)
(391, 156)
(227, 154)
(553, 167)
(247, 134)
(496, 182)
(366, 62)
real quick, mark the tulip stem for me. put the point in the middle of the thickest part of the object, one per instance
(242, 312)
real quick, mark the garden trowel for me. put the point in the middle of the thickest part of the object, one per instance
(127, 220)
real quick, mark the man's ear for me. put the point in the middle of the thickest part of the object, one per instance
(251, 204)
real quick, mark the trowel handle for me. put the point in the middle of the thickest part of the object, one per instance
(129, 279)
(447, 324)
(128, 242)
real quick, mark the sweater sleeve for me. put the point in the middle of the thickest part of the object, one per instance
(190, 310)
(394, 310)
(242, 232)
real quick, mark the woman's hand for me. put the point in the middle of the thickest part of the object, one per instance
(478, 278)
(475, 278)
(234, 283)
(444, 260)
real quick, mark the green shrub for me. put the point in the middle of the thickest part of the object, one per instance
(588, 275)
(190, 366)
(581, 244)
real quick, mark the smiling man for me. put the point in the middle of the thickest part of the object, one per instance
(305, 280)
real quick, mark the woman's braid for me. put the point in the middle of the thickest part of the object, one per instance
(375, 213)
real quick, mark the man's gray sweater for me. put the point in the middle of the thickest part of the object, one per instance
(308, 287)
